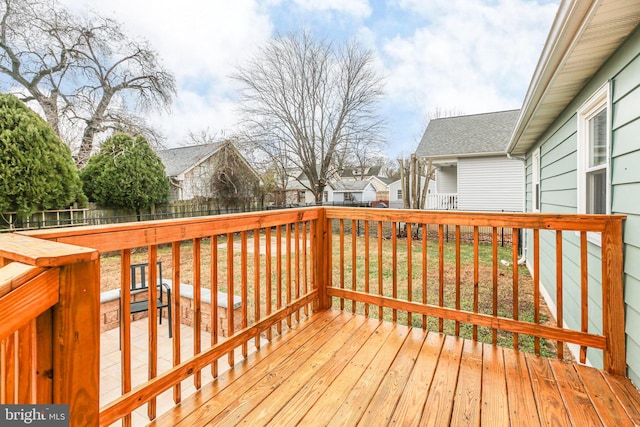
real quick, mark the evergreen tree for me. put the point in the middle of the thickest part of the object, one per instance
(37, 171)
(126, 173)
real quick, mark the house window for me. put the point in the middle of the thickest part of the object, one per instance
(593, 154)
(325, 196)
(594, 196)
(348, 196)
(535, 166)
(399, 196)
(301, 197)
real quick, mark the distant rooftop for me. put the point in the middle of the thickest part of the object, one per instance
(341, 186)
(180, 160)
(487, 133)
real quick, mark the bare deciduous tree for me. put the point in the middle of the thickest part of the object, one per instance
(81, 71)
(305, 103)
(415, 174)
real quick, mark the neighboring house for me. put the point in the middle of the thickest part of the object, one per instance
(396, 196)
(579, 133)
(191, 169)
(297, 194)
(356, 173)
(352, 185)
(353, 191)
(372, 173)
(469, 154)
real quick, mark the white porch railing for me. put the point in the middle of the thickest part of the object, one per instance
(445, 201)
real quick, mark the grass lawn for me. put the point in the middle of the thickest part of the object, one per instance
(110, 277)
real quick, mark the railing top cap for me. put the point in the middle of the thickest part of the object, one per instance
(42, 253)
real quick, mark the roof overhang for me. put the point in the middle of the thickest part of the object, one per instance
(453, 159)
(583, 36)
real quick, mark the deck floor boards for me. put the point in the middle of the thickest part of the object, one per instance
(342, 369)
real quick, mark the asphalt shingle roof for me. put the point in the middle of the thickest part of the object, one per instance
(180, 160)
(474, 134)
(350, 185)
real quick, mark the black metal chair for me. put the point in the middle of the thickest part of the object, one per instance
(139, 283)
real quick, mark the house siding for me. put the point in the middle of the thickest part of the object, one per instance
(490, 184)
(558, 178)
(447, 180)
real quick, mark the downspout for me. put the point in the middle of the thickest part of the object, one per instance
(522, 259)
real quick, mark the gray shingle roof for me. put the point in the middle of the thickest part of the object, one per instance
(348, 172)
(465, 135)
(350, 185)
(180, 160)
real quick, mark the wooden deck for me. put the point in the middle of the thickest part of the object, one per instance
(343, 369)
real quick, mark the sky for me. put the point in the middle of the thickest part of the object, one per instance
(461, 56)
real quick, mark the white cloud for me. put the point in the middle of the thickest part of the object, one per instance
(468, 55)
(201, 43)
(472, 57)
(355, 8)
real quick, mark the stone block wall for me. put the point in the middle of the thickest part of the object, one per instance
(110, 310)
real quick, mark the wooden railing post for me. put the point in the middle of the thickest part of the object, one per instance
(613, 298)
(76, 342)
(322, 267)
(44, 363)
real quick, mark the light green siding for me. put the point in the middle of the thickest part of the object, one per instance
(558, 178)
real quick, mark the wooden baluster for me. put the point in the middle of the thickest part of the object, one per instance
(305, 265)
(297, 263)
(152, 319)
(341, 261)
(354, 262)
(288, 271)
(536, 286)
(197, 309)
(9, 361)
(516, 287)
(559, 296)
(245, 287)
(458, 262)
(125, 325)
(476, 278)
(27, 363)
(584, 291)
(322, 258)
(230, 292)
(3, 372)
(175, 332)
(494, 265)
(409, 272)
(425, 260)
(256, 281)
(440, 273)
(279, 274)
(366, 265)
(44, 362)
(394, 267)
(268, 276)
(213, 266)
(380, 268)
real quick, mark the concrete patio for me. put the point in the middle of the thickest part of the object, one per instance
(110, 373)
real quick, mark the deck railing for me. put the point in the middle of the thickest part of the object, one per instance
(283, 264)
(430, 282)
(49, 333)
